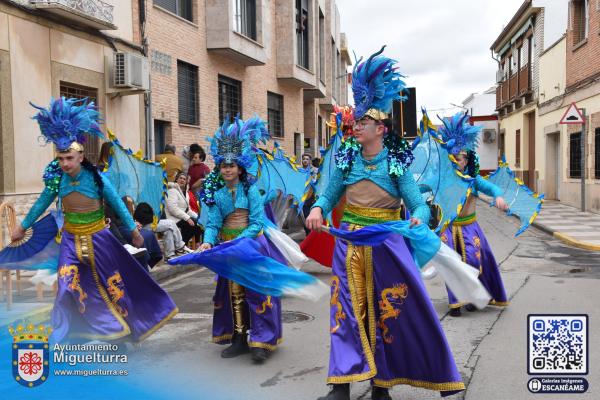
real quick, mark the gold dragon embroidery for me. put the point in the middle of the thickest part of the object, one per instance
(397, 294)
(477, 243)
(116, 290)
(72, 271)
(339, 313)
(264, 305)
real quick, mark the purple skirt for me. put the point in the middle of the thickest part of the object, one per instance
(264, 311)
(104, 293)
(469, 241)
(401, 340)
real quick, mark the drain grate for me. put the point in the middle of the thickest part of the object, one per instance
(289, 317)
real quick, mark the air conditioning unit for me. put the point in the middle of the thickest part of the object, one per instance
(499, 76)
(129, 71)
(489, 135)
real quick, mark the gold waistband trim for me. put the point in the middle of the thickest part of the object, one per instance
(390, 214)
(462, 221)
(85, 229)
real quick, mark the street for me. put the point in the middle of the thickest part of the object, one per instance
(541, 275)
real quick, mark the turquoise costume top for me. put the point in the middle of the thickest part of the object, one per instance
(486, 187)
(377, 171)
(224, 205)
(83, 183)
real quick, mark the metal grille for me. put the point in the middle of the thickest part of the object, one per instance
(182, 8)
(187, 90)
(119, 72)
(597, 154)
(275, 114)
(230, 98)
(575, 155)
(69, 90)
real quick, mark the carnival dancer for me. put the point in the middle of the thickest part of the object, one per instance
(103, 292)
(236, 209)
(383, 326)
(465, 234)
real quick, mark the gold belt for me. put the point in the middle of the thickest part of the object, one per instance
(462, 221)
(85, 229)
(365, 216)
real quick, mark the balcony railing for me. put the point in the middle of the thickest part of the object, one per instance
(514, 88)
(94, 13)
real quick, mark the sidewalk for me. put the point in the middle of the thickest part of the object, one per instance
(570, 225)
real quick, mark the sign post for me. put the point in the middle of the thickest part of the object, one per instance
(576, 116)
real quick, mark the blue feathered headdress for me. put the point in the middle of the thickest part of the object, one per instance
(235, 141)
(376, 83)
(458, 134)
(68, 120)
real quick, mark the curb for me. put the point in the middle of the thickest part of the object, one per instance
(575, 243)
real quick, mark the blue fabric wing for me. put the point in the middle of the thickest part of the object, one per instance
(521, 200)
(439, 180)
(240, 260)
(277, 173)
(137, 177)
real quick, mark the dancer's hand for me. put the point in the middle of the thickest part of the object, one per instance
(204, 247)
(17, 233)
(314, 221)
(414, 222)
(137, 239)
(501, 204)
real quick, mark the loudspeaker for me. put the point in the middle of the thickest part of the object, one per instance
(404, 114)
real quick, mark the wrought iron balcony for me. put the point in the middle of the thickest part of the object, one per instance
(92, 13)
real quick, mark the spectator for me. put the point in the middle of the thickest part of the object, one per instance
(174, 163)
(307, 166)
(198, 169)
(173, 244)
(178, 208)
(187, 153)
(315, 162)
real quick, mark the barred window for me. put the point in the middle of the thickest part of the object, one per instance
(230, 98)
(245, 18)
(597, 154)
(187, 91)
(275, 114)
(69, 90)
(182, 8)
(575, 155)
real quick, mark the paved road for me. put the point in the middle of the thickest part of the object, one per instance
(541, 274)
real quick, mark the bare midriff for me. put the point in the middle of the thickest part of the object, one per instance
(469, 207)
(368, 194)
(76, 202)
(237, 219)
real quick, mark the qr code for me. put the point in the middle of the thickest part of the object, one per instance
(557, 344)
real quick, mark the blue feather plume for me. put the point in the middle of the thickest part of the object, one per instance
(235, 141)
(376, 83)
(458, 134)
(68, 120)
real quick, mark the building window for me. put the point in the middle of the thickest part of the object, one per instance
(518, 148)
(320, 133)
(580, 22)
(322, 47)
(501, 146)
(275, 114)
(182, 8)
(575, 155)
(187, 90)
(597, 153)
(230, 98)
(245, 18)
(333, 70)
(69, 90)
(302, 29)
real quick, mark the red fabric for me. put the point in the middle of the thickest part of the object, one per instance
(319, 245)
(193, 202)
(197, 171)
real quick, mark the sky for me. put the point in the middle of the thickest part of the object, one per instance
(442, 47)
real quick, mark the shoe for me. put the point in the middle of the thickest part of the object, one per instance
(379, 393)
(338, 392)
(134, 251)
(184, 250)
(259, 355)
(470, 307)
(167, 258)
(239, 346)
(455, 312)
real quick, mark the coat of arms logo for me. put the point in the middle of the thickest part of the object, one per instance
(30, 354)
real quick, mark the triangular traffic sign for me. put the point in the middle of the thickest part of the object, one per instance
(572, 116)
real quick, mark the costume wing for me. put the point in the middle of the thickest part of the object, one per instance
(438, 179)
(276, 173)
(521, 201)
(137, 177)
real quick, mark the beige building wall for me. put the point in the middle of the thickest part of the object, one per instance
(36, 55)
